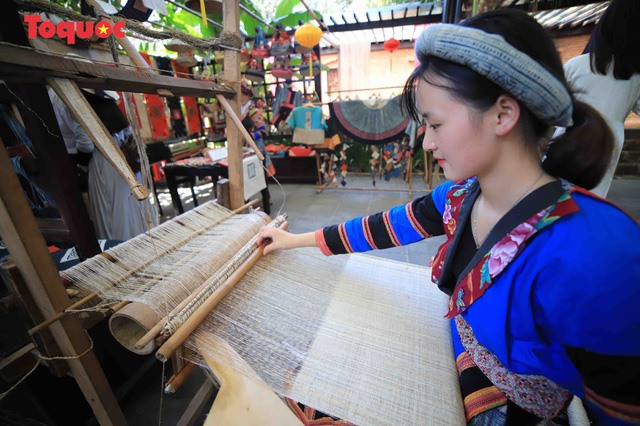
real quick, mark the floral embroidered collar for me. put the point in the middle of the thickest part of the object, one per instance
(503, 244)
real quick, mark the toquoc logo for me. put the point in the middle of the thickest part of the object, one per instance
(69, 30)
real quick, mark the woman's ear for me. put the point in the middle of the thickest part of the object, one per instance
(507, 114)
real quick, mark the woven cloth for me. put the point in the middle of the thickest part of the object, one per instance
(371, 122)
(356, 337)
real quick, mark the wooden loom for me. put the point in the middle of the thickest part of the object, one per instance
(244, 396)
(25, 69)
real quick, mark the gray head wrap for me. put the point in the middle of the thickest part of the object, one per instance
(492, 57)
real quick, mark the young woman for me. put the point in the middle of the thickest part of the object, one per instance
(542, 274)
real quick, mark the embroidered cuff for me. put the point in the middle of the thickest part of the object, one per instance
(321, 243)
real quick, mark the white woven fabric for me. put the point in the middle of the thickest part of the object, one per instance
(357, 337)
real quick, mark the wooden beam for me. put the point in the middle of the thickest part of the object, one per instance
(95, 129)
(21, 235)
(21, 63)
(17, 355)
(231, 22)
(125, 43)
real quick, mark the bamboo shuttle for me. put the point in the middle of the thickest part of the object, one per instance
(177, 339)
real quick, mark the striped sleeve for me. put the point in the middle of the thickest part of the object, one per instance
(399, 226)
(611, 384)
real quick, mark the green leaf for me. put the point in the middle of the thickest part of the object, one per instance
(192, 30)
(291, 20)
(249, 23)
(286, 7)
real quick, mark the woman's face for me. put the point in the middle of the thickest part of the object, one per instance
(461, 139)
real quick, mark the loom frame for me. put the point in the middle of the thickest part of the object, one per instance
(17, 224)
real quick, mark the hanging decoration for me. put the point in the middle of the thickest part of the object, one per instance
(281, 42)
(260, 44)
(186, 54)
(297, 46)
(282, 67)
(391, 46)
(315, 70)
(308, 35)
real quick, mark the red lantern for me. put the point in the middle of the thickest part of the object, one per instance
(390, 46)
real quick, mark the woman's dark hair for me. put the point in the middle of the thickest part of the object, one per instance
(617, 38)
(581, 155)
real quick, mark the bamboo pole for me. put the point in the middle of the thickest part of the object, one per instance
(231, 22)
(92, 296)
(72, 97)
(177, 339)
(178, 380)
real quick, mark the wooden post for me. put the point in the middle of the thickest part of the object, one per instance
(222, 191)
(44, 340)
(21, 235)
(231, 22)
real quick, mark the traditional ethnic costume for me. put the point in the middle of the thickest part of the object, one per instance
(545, 308)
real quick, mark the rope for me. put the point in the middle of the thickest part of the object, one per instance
(40, 359)
(226, 40)
(162, 381)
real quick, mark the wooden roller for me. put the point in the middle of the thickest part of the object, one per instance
(132, 322)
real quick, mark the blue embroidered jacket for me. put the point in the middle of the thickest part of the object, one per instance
(550, 296)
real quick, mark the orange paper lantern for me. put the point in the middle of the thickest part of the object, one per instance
(308, 35)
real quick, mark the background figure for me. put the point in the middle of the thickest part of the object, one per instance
(255, 123)
(116, 214)
(607, 76)
(78, 144)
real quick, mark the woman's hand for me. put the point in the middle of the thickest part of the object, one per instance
(278, 239)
